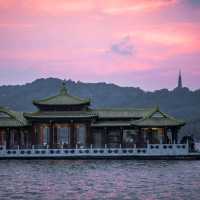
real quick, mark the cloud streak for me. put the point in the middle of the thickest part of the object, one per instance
(123, 47)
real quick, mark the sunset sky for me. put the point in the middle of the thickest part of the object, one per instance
(139, 43)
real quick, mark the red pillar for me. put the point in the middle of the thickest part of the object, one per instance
(105, 137)
(72, 136)
(8, 138)
(89, 138)
(51, 135)
(121, 137)
(140, 139)
(165, 139)
(32, 139)
(55, 137)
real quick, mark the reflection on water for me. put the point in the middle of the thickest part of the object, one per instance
(99, 179)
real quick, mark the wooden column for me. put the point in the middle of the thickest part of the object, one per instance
(89, 137)
(140, 139)
(72, 136)
(121, 137)
(19, 137)
(26, 138)
(165, 138)
(1, 136)
(33, 135)
(51, 135)
(105, 136)
(55, 135)
(75, 135)
(8, 138)
(22, 143)
(174, 135)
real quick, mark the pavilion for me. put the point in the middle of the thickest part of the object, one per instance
(66, 121)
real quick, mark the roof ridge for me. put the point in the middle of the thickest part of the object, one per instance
(121, 108)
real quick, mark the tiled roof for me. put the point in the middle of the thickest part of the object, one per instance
(63, 98)
(157, 119)
(123, 112)
(109, 113)
(11, 118)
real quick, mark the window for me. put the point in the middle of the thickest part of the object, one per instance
(12, 138)
(129, 136)
(46, 134)
(2, 137)
(97, 139)
(81, 134)
(22, 138)
(63, 135)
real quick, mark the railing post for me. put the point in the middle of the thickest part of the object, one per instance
(160, 141)
(105, 146)
(4, 149)
(90, 146)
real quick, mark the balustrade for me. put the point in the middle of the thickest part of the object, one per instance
(45, 151)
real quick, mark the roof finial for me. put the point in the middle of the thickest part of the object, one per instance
(63, 89)
(157, 108)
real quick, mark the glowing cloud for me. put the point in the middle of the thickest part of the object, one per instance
(119, 41)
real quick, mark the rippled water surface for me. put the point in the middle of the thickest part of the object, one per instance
(99, 179)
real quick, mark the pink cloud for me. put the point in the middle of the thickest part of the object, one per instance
(85, 39)
(121, 7)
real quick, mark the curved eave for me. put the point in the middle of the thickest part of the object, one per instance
(122, 113)
(101, 125)
(59, 117)
(52, 117)
(146, 125)
(11, 123)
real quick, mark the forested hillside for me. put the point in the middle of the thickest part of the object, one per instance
(181, 103)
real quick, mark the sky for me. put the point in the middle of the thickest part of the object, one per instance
(139, 43)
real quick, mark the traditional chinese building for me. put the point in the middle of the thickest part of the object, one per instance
(68, 122)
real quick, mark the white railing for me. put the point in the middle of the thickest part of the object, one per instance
(151, 150)
(168, 149)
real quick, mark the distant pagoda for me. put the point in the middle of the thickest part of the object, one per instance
(180, 85)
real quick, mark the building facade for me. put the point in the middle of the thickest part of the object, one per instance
(68, 122)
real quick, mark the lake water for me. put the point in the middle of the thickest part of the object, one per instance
(99, 179)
